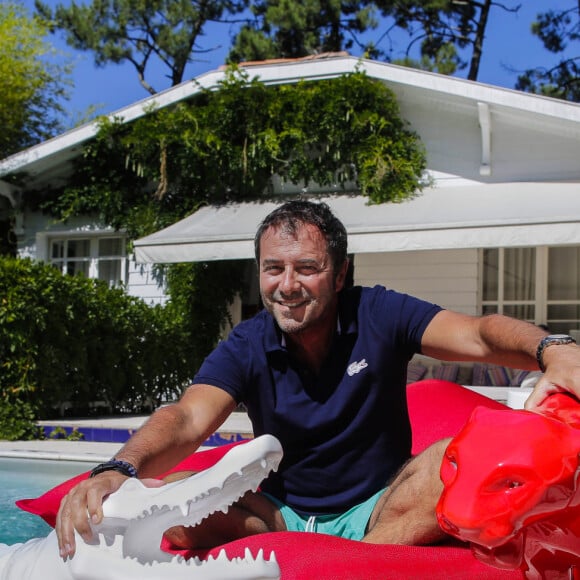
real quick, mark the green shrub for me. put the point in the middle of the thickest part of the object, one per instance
(17, 420)
(74, 339)
(60, 433)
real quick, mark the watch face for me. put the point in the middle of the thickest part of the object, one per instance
(558, 337)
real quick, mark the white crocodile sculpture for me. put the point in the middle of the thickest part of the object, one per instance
(127, 542)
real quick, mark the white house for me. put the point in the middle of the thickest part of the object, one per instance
(499, 230)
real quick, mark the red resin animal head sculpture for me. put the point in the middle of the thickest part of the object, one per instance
(511, 488)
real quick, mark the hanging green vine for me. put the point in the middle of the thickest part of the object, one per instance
(227, 144)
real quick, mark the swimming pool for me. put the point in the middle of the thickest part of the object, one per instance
(28, 478)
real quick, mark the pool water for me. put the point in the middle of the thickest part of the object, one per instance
(29, 478)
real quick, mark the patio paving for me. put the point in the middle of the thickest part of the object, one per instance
(105, 436)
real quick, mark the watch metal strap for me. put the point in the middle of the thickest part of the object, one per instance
(550, 340)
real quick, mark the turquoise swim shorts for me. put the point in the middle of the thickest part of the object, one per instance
(351, 524)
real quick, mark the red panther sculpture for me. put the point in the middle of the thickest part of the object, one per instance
(512, 488)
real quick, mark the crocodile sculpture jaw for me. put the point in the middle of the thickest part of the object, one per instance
(127, 542)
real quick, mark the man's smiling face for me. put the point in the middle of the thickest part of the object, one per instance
(297, 282)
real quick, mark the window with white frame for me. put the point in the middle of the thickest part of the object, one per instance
(563, 292)
(540, 285)
(101, 257)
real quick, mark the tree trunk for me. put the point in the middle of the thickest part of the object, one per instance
(478, 40)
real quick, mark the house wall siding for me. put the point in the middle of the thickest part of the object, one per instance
(32, 243)
(446, 277)
(523, 147)
(142, 283)
(425, 117)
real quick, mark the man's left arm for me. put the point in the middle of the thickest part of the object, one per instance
(502, 340)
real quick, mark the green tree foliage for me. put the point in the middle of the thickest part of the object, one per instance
(288, 29)
(450, 34)
(65, 338)
(139, 31)
(33, 82)
(559, 32)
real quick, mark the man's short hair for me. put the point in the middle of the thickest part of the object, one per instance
(294, 214)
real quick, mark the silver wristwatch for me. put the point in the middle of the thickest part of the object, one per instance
(549, 341)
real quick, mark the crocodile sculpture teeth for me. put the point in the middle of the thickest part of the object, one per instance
(127, 542)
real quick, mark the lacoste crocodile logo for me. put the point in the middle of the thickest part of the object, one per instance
(356, 367)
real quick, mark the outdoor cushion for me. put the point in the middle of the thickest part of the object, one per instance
(498, 376)
(478, 377)
(446, 372)
(415, 372)
(518, 377)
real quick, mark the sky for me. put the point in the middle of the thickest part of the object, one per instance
(509, 47)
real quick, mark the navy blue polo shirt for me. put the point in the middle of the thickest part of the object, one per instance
(345, 431)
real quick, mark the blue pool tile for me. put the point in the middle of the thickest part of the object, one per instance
(108, 435)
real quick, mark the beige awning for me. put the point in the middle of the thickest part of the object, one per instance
(460, 216)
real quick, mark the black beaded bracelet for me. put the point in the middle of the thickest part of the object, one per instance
(118, 465)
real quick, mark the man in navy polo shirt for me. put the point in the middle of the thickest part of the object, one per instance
(322, 368)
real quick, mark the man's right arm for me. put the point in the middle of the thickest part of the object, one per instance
(171, 434)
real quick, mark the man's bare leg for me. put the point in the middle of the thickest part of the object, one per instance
(405, 513)
(251, 514)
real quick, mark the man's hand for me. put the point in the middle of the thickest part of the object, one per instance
(562, 374)
(83, 506)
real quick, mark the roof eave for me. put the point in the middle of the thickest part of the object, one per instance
(291, 71)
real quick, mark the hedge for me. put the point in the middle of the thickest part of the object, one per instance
(76, 340)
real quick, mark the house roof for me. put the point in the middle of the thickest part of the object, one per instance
(461, 216)
(420, 93)
(505, 165)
